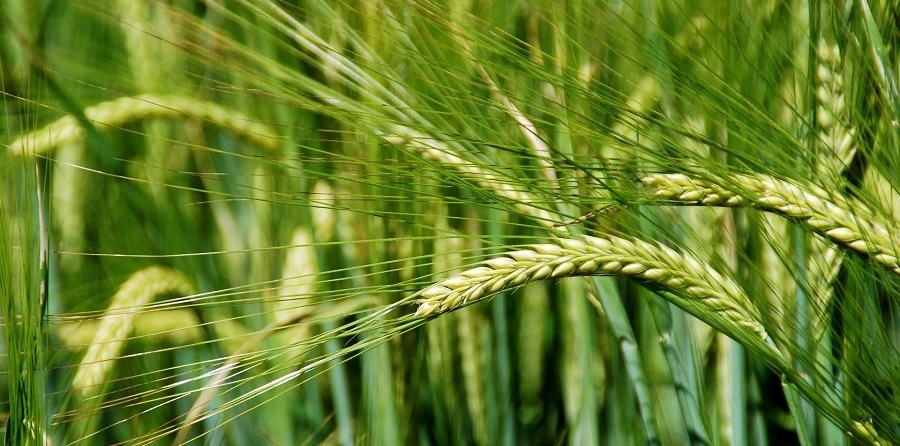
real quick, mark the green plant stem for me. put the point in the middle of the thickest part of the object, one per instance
(22, 293)
(505, 412)
(679, 369)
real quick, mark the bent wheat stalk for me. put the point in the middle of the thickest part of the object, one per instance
(842, 220)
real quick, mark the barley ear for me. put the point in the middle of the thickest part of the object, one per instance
(836, 135)
(844, 221)
(135, 293)
(836, 140)
(435, 150)
(119, 112)
(684, 280)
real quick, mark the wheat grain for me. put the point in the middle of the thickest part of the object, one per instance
(121, 111)
(140, 289)
(843, 220)
(695, 287)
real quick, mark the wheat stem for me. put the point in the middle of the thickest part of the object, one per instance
(843, 220)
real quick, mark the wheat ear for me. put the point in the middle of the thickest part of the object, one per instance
(834, 128)
(690, 284)
(118, 112)
(438, 151)
(526, 126)
(139, 290)
(683, 280)
(836, 140)
(844, 221)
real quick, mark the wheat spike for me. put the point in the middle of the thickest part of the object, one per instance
(685, 281)
(843, 220)
(139, 290)
(118, 112)
(435, 150)
(835, 131)
(836, 139)
(695, 287)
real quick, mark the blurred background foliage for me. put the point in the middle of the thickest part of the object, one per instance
(215, 215)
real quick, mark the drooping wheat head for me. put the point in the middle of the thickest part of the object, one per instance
(696, 288)
(119, 112)
(843, 220)
(140, 289)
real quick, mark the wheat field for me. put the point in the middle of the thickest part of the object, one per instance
(508, 222)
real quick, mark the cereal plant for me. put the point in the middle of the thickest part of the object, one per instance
(414, 222)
